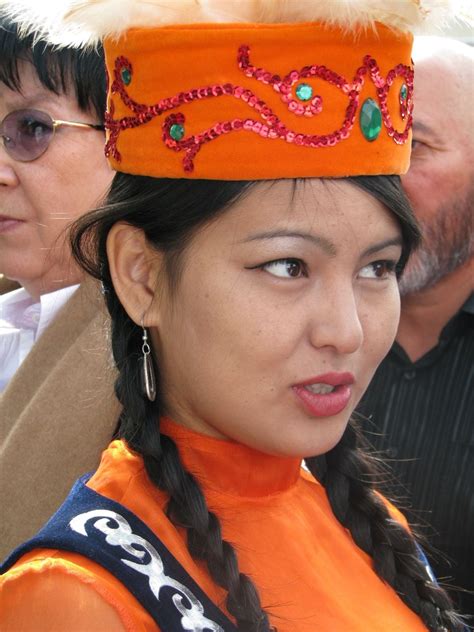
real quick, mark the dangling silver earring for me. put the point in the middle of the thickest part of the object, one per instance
(147, 371)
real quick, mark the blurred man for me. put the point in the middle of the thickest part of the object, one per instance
(422, 397)
(57, 407)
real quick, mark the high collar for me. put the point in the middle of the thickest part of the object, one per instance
(229, 467)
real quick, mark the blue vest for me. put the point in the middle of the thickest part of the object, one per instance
(107, 533)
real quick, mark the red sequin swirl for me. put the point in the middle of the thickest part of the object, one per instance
(266, 124)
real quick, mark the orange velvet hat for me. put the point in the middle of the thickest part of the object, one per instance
(259, 101)
(251, 89)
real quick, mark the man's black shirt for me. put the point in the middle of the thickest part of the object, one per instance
(424, 414)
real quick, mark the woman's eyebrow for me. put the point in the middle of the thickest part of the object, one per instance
(393, 241)
(321, 242)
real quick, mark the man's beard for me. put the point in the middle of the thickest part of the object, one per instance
(447, 243)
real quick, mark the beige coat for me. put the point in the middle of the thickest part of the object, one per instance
(57, 414)
(6, 285)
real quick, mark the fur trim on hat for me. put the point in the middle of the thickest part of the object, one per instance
(83, 22)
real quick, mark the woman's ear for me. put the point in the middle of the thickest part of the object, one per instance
(134, 268)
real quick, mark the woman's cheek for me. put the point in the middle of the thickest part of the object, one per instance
(393, 314)
(382, 318)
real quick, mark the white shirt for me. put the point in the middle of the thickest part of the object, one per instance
(22, 321)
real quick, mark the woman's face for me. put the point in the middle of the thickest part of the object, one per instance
(286, 305)
(39, 200)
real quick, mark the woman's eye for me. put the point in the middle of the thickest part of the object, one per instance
(33, 128)
(378, 270)
(286, 268)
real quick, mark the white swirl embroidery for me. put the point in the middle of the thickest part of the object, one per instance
(193, 618)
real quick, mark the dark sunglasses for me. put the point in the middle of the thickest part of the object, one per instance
(26, 134)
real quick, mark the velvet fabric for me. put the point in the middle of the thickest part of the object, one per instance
(309, 573)
(169, 60)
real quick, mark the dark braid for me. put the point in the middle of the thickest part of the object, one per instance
(170, 212)
(347, 473)
(187, 507)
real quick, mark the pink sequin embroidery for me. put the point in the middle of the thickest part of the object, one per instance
(264, 122)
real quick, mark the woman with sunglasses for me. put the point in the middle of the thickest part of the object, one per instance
(249, 252)
(52, 170)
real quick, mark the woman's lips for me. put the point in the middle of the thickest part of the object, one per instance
(326, 404)
(7, 224)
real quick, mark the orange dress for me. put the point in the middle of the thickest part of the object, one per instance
(309, 573)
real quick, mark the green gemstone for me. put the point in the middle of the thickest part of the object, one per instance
(403, 92)
(176, 131)
(126, 76)
(370, 119)
(304, 92)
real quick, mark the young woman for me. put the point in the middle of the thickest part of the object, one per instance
(252, 287)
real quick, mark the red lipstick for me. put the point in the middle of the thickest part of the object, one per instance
(319, 403)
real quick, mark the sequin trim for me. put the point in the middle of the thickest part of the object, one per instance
(266, 123)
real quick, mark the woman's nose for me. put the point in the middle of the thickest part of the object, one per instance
(8, 175)
(336, 322)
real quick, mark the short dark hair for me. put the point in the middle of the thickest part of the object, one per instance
(68, 71)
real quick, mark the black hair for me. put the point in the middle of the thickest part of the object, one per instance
(170, 212)
(69, 71)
